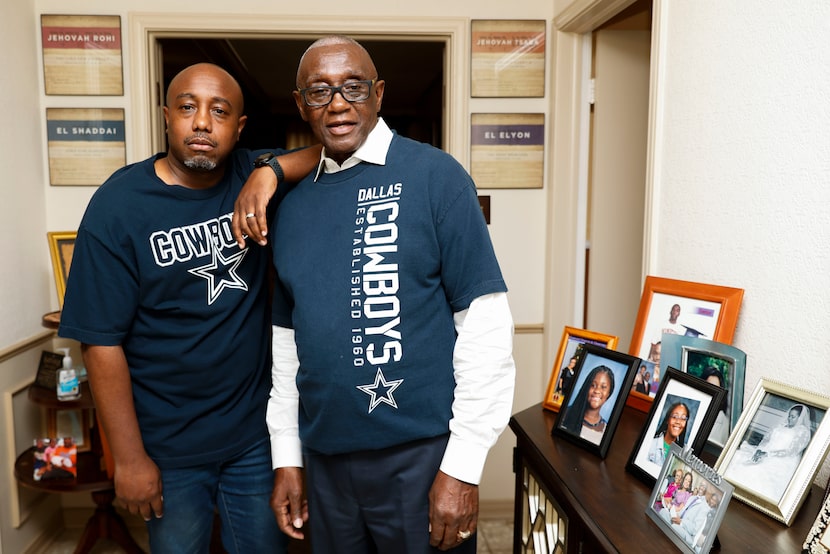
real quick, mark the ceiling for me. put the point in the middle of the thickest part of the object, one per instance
(266, 69)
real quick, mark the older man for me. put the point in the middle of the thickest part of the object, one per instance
(392, 338)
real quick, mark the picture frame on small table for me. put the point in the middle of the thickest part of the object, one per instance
(718, 363)
(570, 348)
(775, 451)
(690, 518)
(683, 413)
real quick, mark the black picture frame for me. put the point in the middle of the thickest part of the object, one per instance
(702, 401)
(570, 421)
(693, 527)
(47, 370)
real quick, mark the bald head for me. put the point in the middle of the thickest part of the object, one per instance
(204, 117)
(211, 71)
(333, 40)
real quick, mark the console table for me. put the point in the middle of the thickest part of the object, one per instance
(568, 500)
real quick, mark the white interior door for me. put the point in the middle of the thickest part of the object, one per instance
(617, 183)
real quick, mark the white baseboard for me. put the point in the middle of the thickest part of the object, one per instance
(495, 509)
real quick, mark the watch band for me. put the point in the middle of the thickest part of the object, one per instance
(270, 159)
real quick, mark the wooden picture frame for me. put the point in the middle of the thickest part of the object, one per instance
(712, 361)
(690, 526)
(570, 347)
(61, 248)
(613, 371)
(678, 393)
(775, 451)
(708, 311)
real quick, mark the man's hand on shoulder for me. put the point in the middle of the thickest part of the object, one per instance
(249, 217)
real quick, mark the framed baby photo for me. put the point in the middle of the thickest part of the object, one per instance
(689, 501)
(776, 449)
(592, 410)
(563, 372)
(670, 306)
(682, 414)
(718, 363)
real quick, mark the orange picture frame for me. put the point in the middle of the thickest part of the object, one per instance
(572, 338)
(703, 310)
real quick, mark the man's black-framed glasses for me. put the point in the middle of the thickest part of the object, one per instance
(353, 91)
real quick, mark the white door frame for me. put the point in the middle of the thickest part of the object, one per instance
(144, 70)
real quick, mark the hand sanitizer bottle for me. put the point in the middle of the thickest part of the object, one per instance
(68, 386)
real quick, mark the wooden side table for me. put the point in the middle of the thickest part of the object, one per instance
(105, 522)
(569, 500)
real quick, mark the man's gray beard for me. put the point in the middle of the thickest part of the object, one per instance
(200, 163)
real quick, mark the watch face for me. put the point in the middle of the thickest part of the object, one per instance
(263, 159)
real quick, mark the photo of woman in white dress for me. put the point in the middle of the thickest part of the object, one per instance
(767, 466)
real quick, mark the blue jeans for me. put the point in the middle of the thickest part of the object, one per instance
(239, 488)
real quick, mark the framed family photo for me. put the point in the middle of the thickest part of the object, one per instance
(670, 306)
(718, 363)
(592, 410)
(570, 348)
(682, 414)
(774, 452)
(688, 502)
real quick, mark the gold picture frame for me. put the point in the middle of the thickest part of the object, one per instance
(569, 346)
(61, 248)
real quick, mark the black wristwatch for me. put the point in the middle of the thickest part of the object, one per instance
(270, 159)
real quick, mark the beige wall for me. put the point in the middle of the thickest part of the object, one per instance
(518, 217)
(741, 168)
(738, 153)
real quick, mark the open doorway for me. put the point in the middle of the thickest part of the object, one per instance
(266, 69)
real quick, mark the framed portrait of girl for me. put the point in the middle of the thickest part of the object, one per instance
(591, 412)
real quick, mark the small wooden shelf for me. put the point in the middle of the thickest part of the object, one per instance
(92, 477)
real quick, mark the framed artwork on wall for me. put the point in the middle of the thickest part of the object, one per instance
(85, 145)
(507, 150)
(82, 55)
(61, 248)
(508, 58)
